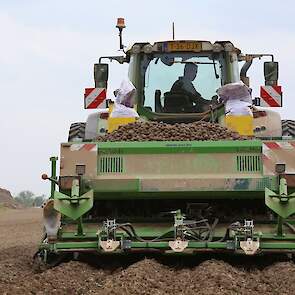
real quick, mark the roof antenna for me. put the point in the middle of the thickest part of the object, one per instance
(173, 31)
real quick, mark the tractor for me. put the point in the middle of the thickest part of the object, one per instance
(175, 196)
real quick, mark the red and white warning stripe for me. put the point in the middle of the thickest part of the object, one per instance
(90, 147)
(277, 152)
(275, 145)
(271, 96)
(94, 98)
(272, 146)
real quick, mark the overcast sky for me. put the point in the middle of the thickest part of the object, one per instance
(48, 49)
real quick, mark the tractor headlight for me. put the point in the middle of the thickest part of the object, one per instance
(217, 47)
(148, 48)
(136, 49)
(228, 47)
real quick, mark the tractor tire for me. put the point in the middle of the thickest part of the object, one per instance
(288, 128)
(77, 132)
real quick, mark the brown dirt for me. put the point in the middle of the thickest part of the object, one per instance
(20, 231)
(6, 199)
(158, 131)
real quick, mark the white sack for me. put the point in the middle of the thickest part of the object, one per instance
(237, 107)
(121, 111)
(236, 98)
(126, 94)
(124, 101)
(235, 91)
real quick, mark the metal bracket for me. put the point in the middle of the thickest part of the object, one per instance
(246, 238)
(179, 225)
(178, 245)
(249, 246)
(73, 206)
(231, 245)
(245, 230)
(281, 203)
(109, 227)
(120, 59)
(125, 244)
(109, 245)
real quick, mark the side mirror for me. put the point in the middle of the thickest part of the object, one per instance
(101, 75)
(271, 72)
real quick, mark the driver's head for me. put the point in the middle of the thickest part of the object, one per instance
(190, 71)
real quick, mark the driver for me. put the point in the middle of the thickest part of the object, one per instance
(184, 84)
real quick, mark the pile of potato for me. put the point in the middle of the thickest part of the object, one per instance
(159, 131)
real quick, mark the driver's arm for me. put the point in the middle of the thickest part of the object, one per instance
(194, 94)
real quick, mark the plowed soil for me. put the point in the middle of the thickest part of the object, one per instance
(20, 231)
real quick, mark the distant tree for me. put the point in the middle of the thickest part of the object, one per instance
(39, 200)
(26, 198)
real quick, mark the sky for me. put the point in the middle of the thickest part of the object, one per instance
(48, 49)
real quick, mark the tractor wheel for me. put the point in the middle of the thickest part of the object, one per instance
(288, 128)
(77, 132)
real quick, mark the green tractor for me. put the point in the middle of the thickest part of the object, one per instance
(170, 197)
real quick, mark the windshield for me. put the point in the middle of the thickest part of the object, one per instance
(181, 82)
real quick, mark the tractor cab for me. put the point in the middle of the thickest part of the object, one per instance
(180, 78)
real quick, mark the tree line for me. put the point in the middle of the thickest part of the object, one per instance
(29, 199)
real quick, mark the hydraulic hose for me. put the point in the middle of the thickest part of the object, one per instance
(291, 227)
(212, 229)
(191, 231)
(129, 229)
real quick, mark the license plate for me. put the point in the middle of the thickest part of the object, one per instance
(184, 46)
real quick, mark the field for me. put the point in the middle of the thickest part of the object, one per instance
(20, 231)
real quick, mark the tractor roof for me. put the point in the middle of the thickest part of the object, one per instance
(183, 46)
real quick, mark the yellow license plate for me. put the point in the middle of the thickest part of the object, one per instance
(184, 46)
